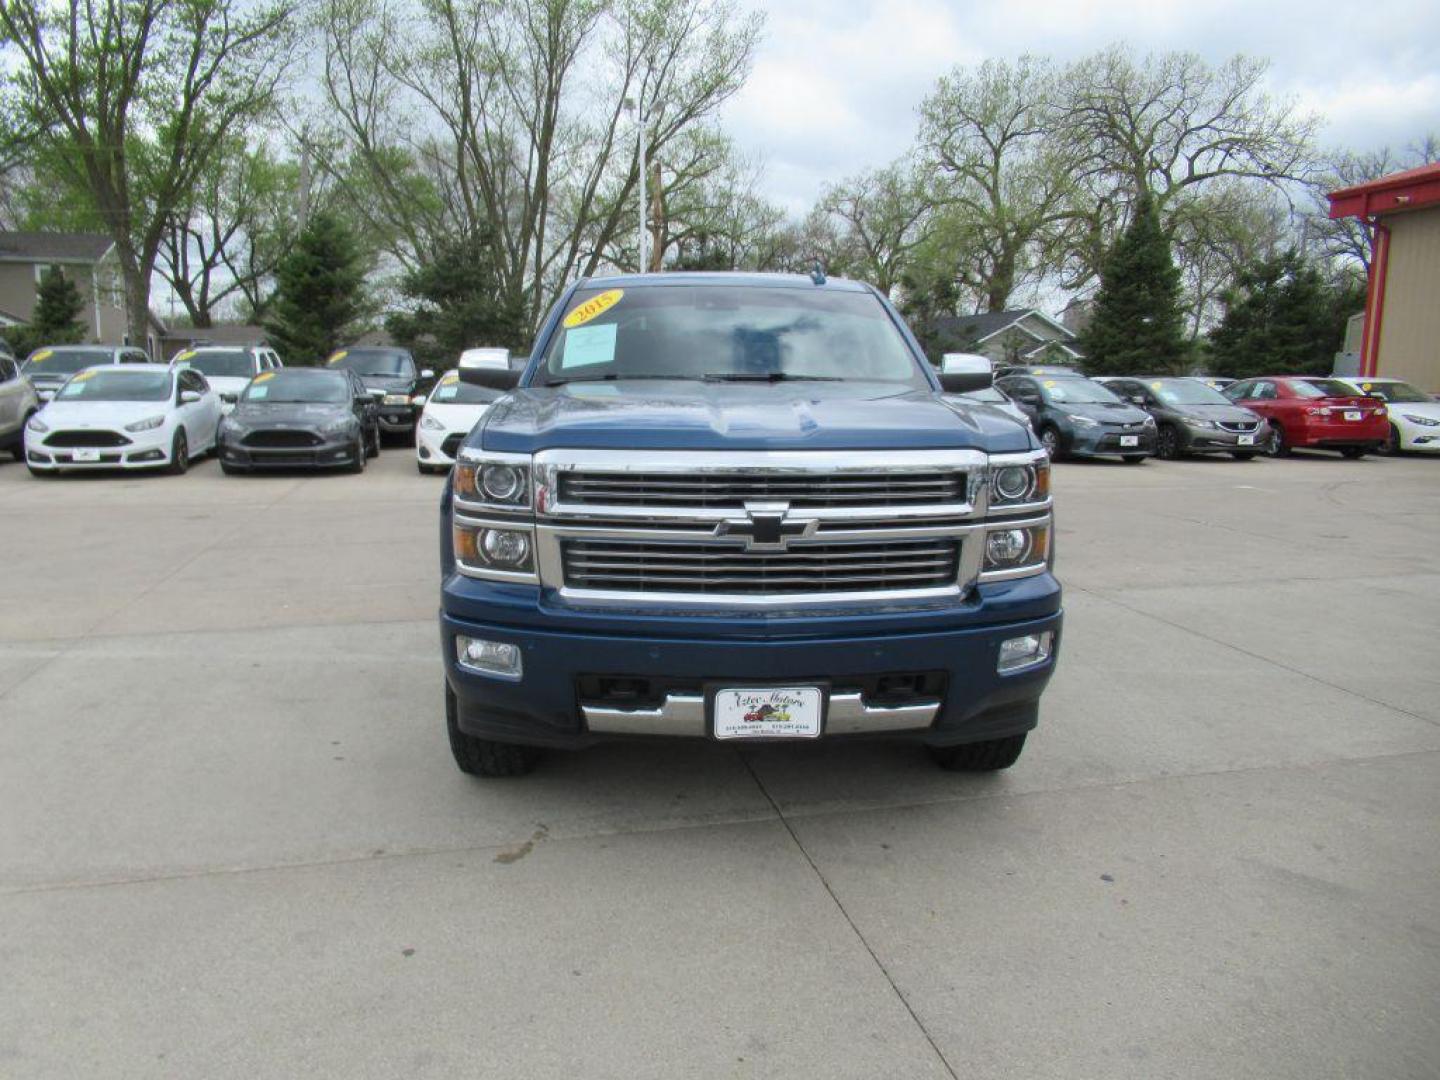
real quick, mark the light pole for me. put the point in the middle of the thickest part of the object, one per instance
(639, 112)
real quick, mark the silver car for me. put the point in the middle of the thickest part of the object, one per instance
(18, 402)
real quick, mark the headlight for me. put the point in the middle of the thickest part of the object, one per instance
(37, 425)
(396, 399)
(505, 550)
(1149, 421)
(429, 423)
(1084, 421)
(1423, 421)
(1196, 422)
(341, 426)
(1014, 484)
(497, 483)
(1017, 550)
(148, 424)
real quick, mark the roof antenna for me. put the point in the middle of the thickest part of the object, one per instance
(817, 273)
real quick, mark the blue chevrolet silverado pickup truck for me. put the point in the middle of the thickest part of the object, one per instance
(742, 508)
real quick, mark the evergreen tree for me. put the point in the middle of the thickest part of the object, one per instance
(1282, 318)
(56, 318)
(320, 301)
(459, 305)
(1136, 327)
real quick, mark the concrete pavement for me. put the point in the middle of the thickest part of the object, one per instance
(232, 842)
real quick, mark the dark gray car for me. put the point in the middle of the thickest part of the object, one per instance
(1193, 418)
(301, 417)
(1078, 417)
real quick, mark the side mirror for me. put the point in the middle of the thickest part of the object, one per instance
(962, 372)
(489, 368)
(189, 397)
(427, 373)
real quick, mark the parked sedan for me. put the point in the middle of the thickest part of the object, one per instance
(1314, 413)
(140, 417)
(1414, 415)
(452, 411)
(1076, 416)
(391, 376)
(18, 402)
(229, 368)
(1191, 418)
(48, 368)
(301, 417)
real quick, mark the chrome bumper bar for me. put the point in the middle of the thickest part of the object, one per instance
(684, 714)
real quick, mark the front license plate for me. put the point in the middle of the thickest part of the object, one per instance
(787, 712)
(1354, 414)
(1245, 440)
(1129, 440)
(86, 455)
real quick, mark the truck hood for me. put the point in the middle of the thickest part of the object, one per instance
(689, 415)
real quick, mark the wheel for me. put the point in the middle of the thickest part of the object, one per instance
(19, 448)
(992, 755)
(1392, 442)
(485, 757)
(1167, 443)
(1354, 453)
(1242, 455)
(1278, 446)
(373, 447)
(1050, 440)
(1134, 459)
(179, 455)
(358, 455)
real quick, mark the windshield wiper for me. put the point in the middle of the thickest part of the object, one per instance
(614, 376)
(767, 377)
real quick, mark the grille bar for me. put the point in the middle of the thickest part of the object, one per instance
(722, 489)
(282, 438)
(86, 438)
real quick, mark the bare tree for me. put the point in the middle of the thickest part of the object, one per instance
(1350, 241)
(132, 99)
(883, 216)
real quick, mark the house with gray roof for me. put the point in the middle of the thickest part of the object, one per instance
(1020, 336)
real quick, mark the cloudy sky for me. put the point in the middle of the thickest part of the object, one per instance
(836, 82)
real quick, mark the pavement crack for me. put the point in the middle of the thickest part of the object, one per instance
(840, 907)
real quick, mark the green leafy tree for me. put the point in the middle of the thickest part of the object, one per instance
(459, 304)
(1136, 327)
(320, 300)
(56, 318)
(1281, 317)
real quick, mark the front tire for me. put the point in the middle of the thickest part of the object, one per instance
(485, 757)
(357, 465)
(1392, 443)
(1279, 445)
(1167, 443)
(179, 454)
(372, 448)
(1050, 440)
(992, 755)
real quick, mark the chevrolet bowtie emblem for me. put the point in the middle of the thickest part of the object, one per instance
(767, 526)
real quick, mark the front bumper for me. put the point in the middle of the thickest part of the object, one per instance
(678, 661)
(398, 418)
(1425, 440)
(1220, 441)
(1105, 442)
(145, 450)
(332, 452)
(431, 446)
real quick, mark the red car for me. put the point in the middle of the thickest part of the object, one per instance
(1308, 412)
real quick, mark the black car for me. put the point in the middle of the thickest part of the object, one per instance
(298, 417)
(1193, 418)
(392, 378)
(1076, 416)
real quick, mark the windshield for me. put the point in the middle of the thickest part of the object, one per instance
(1400, 392)
(225, 364)
(1186, 392)
(728, 332)
(63, 361)
(988, 394)
(117, 384)
(295, 386)
(451, 391)
(1318, 388)
(1077, 392)
(390, 362)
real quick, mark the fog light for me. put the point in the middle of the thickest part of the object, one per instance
(504, 546)
(489, 657)
(1017, 653)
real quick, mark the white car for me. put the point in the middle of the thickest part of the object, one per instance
(140, 417)
(451, 411)
(48, 368)
(1414, 415)
(228, 368)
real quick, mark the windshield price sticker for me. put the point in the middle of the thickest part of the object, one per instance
(186, 355)
(1050, 383)
(791, 712)
(265, 376)
(592, 308)
(43, 354)
(335, 358)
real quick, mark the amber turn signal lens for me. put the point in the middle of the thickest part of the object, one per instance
(1042, 481)
(464, 479)
(465, 549)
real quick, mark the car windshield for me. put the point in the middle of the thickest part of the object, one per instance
(221, 363)
(451, 391)
(63, 361)
(1077, 392)
(389, 362)
(117, 384)
(1399, 392)
(1186, 392)
(1318, 388)
(296, 386)
(989, 394)
(738, 333)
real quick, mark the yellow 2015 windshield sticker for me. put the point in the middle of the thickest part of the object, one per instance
(186, 355)
(1154, 386)
(596, 305)
(83, 376)
(335, 358)
(1365, 387)
(43, 354)
(1049, 382)
(264, 376)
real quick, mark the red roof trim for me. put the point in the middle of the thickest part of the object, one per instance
(1406, 190)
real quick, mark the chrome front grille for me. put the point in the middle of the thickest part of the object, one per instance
(734, 489)
(709, 568)
(1243, 427)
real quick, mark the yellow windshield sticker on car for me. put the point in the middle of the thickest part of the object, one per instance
(264, 376)
(335, 358)
(1364, 386)
(451, 377)
(595, 306)
(186, 355)
(1154, 386)
(83, 376)
(43, 354)
(1049, 383)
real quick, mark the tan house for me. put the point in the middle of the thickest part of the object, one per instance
(1401, 328)
(89, 261)
(1020, 336)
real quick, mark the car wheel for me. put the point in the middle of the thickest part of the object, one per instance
(992, 755)
(1279, 446)
(1050, 440)
(485, 757)
(1354, 453)
(358, 455)
(1167, 443)
(1242, 455)
(179, 454)
(1134, 459)
(1392, 443)
(373, 449)
(19, 448)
